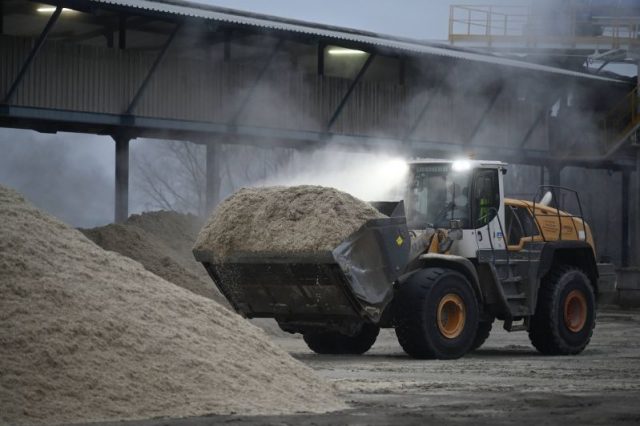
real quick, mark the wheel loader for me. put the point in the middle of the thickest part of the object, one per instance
(451, 258)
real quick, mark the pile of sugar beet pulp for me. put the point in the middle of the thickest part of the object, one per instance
(283, 220)
(90, 335)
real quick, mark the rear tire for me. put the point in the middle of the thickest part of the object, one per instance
(565, 314)
(484, 330)
(335, 343)
(436, 314)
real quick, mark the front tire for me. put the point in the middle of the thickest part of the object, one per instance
(565, 314)
(335, 343)
(436, 314)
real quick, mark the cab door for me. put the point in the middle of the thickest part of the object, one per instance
(487, 209)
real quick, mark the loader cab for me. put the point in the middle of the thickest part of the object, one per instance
(465, 193)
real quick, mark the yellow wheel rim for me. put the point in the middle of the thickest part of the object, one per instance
(575, 311)
(452, 315)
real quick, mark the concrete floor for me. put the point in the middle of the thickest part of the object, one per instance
(504, 382)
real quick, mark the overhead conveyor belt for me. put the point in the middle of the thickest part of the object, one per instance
(336, 34)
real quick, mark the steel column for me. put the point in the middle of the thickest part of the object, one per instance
(347, 95)
(36, 48)
(152, 70)
(122, 32)
(212, 190)
(110, 39)
(554, 174)
(320, 59)
(227, 46)
(122, 179)
(261, 73)
(1, 18)
(637, 210)
(626, 194)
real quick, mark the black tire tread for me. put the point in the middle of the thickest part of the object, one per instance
(408, 333)
(335, 343)
(544, 329)
(410, 301)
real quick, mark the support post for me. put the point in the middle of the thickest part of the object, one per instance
(152, 70)
(637, 210)
(34, 51)
(637, 186)
(1, 18)
(122, 32)
(122, 179)
(625, 240)
(320, 59)
(227, 46)
(347, 95)
(212, 190)
(554, 175)
(110, 39)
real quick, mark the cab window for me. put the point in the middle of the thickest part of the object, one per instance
(486, 196)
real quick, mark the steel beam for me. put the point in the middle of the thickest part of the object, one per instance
(554, 174)
(54, 120)
(122, 32)
(625, 241)
(34, 52)
(120, 26)
(261, 73)
(637, 211)
(152, 70)
(110, 39)
(320, 59)
(484, 114)
(122, 179)
(212, 191)
(227, 46)
(352, 87)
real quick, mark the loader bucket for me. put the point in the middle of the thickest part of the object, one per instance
(353, 282)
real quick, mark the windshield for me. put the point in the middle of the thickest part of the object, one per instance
(436, 195)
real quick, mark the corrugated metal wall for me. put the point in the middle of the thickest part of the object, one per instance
(79, 77)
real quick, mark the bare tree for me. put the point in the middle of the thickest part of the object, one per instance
(173, 173)
(173, 176)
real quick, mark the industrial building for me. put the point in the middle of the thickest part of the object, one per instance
(516, 84)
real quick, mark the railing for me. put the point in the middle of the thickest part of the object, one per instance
(621, 121)
(525, 25)
(559, 195)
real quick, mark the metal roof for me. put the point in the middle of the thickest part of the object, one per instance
(205, 11)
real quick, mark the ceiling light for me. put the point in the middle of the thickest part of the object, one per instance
(51, 9)
(344, 51)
